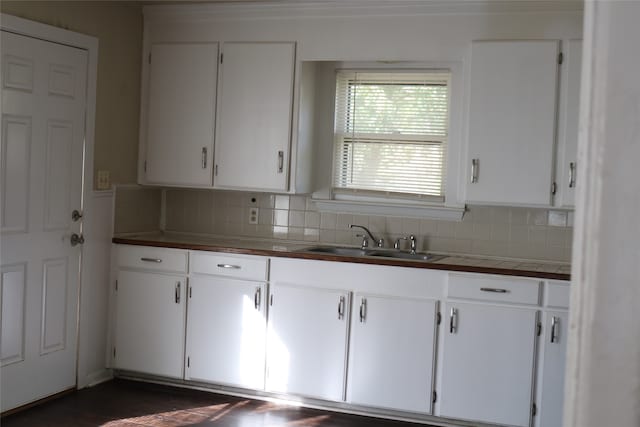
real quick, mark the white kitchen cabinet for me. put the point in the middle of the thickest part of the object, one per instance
(226, 331)
(569, 112)
(487, 363)
(150, 323)
(179, 114)
(307, 341)
(150, 310)
(512, 122)
(552, 369)
(391, 356)
(253, 131)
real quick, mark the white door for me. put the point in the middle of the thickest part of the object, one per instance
(255, 102)
(512, 121)
(307, 341)
(180, 114)
(554, 350)
(43, 113)
(487, 364)
(150, 322)
(226, 331)
(391, 353)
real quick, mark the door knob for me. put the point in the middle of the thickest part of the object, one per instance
(76, 215)
(76, 239)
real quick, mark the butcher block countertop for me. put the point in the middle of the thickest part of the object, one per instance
(278, 248)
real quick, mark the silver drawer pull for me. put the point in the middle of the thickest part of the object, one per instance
(158, 260)
(235, 267)
(554, 326)
(494, 290)
(453, 321)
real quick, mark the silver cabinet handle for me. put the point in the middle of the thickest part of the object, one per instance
(177, 294)
(280, 161)
(363, 310)
(494, 290)
(341, 308)
(158, 260)
(257, 297)
(474, 170)
(234, 267)
(453, 321)
(204, 157)
(572, 175)
(554, 326)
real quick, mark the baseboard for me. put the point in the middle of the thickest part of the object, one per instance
(98, 377)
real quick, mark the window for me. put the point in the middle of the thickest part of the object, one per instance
(391, 134)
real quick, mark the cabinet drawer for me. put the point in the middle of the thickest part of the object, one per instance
(557, 294)
(150, 258)
(494, 288)
(240, 266)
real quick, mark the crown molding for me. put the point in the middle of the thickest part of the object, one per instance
(352, 8)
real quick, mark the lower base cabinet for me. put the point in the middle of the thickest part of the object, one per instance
(552, 369)
(392, 353)
(226, 332)
(488, 363)
(307, 341)
(150, 323)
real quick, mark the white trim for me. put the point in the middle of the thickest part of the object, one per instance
(389, 209)
(352, 8)
(90, 44)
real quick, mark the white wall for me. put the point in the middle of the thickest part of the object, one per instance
(603, 361)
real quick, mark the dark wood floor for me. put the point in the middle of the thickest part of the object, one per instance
(125, 403)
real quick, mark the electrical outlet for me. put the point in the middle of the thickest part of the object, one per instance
(253, 215)
(103, 180)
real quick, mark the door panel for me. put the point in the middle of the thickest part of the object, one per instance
(307, 341)
(226, 333)
(43, 111)
(487, 364)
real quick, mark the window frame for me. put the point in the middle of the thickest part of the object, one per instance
(381, 195)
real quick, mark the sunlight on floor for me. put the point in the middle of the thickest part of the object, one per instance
(265, 416)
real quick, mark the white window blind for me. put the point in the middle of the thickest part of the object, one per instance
(391, 133)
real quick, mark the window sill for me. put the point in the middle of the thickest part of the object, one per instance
(447, 213)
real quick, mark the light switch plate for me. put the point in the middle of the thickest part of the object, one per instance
(104, 182)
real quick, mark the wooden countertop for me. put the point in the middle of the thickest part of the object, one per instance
(271, 248)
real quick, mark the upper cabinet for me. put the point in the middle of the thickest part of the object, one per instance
(180, 114)
(512, 122)
(568, 133)
(252, 127)
(254, 116)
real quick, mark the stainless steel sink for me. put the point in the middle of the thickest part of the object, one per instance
(384, 253)
(337, 250)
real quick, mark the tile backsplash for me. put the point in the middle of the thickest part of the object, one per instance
(539, 234)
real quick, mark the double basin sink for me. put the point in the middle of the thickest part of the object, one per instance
(373, 252)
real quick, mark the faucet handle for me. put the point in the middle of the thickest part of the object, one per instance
(365, 240)
(396, 244)
(414, 244)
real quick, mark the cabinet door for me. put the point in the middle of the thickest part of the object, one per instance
(180, 114)
(554, 350)
(391, 353)
(226, 331)
(254, 116)
(307, 341)
(487, 364)
(512, 119)
(569, 112)
(150, 322)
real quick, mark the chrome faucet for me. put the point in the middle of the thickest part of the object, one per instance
(379, 242)
(412, 240)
